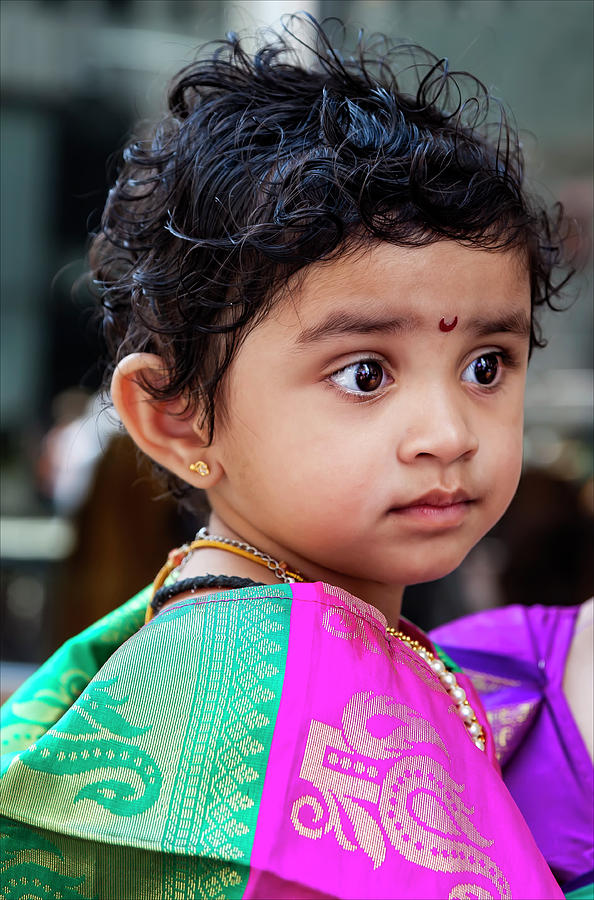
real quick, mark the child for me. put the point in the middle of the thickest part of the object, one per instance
(320, 290)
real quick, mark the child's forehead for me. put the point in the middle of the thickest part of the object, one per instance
(383, 277)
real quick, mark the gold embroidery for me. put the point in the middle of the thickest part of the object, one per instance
(341, 623)
(355, 605)
(464, 891)
(508, 724)
(490, 684)
(367, 779)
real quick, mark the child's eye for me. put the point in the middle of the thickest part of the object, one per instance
(484, 370)
(364, 376)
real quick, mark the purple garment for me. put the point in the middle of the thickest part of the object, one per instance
(545, 762)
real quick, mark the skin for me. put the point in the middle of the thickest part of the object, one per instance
(314, 470)
(578, 678)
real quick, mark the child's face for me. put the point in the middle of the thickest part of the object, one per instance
(364, 442)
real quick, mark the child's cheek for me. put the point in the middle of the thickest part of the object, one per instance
(508, 470)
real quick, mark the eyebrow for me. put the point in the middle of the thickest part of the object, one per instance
(339, 323)
(517, 323)
(344, 323)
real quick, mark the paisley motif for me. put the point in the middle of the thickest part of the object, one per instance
(377, 787)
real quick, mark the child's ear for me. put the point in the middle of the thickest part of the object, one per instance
(159, 427)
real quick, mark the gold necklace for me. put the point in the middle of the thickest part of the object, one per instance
(178, 558)
(448, 680)
(279, 568)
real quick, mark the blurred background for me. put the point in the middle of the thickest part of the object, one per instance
(82, 526)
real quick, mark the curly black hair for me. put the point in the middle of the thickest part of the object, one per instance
(265, 164)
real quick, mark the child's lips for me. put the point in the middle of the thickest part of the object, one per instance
(436, 508)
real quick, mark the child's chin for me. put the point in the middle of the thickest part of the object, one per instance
(432, 572)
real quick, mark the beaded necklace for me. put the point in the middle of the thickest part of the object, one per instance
(449, 682)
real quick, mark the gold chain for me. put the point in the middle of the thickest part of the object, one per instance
(203, 539)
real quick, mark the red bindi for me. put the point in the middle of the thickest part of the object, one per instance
(447, 326)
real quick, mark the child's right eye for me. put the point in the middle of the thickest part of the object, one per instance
(364, 376)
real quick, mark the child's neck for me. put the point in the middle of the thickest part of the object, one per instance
(386, 598)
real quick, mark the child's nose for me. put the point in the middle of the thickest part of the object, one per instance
(440, 426)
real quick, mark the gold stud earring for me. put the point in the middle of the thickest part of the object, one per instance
(200, 468)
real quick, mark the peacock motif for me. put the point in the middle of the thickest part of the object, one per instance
(33, 867)
(79, 743)
(380, 787)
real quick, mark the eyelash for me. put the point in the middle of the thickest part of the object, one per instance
(360, 396)
(506, 361)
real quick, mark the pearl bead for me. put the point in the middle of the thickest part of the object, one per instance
(474, 729)
(448, 679)
(466, 712)
(458, 694)
(480, 743)
(437, 666)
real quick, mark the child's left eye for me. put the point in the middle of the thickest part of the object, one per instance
(485, 370)
(364, 376)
